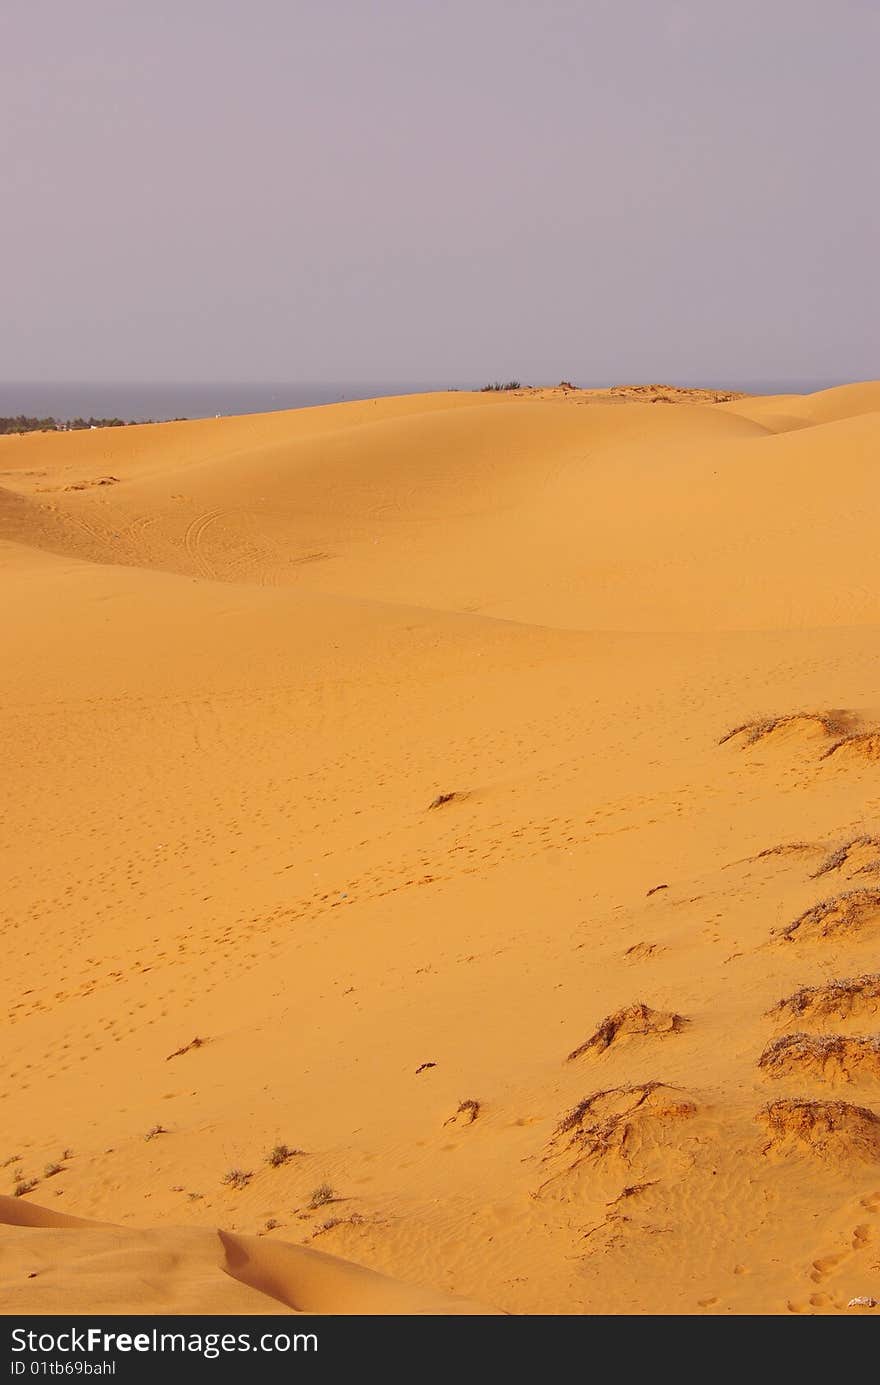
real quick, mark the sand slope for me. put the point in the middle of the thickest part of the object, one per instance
(244, 657)
(53, 1263)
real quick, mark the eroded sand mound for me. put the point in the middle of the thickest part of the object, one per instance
(632, 1020)
(830, 1129)
(859, 745)
(833, 1057)
(857, 856)
(807, 724)
(622, 1121)
(840, 1000)
(850, 912)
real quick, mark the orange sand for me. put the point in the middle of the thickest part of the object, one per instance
(235, 677)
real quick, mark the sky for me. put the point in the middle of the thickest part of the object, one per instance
(594, 190)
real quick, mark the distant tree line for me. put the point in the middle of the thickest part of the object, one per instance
(23, 423)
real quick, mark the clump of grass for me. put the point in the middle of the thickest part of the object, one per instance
(442, 798)
(13, 1159)
(321, 1196)
(24, 1185)
(354, 1220)
(833, 723)
(280, 1155)
(51, 1169)
(155, 1131)
(498, 387)
(236, 1178)
(195, 1197)
(469, 1109)
(272, 1224)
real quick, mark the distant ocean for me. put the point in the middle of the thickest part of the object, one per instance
(137, 403)
(140, 402)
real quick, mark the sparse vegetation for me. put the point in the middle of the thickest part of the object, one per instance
(236, 1178)
(51, 1169)
(576, 1117)
(155, 1131)
(442, 798)
(619, 1119)
(280, 1155)
(847, 1053)
(498, 387)
(466, 1113)
(633, 1190)
(23, 1186)
(848, 909)
(631, 1019)
(321, 1196)
(272, 1224)
(837, 858)
(193, 1043)
(354, 1220)
(822, 1126)
(835, 999)
(783, 849)
(833, 723)
(864, 743)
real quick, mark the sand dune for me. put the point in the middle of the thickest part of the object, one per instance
(385, 750)
(509, 508)
(54, 1263)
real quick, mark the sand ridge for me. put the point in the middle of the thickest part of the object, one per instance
(444, 766)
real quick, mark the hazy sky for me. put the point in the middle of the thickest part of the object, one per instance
(440, 189)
